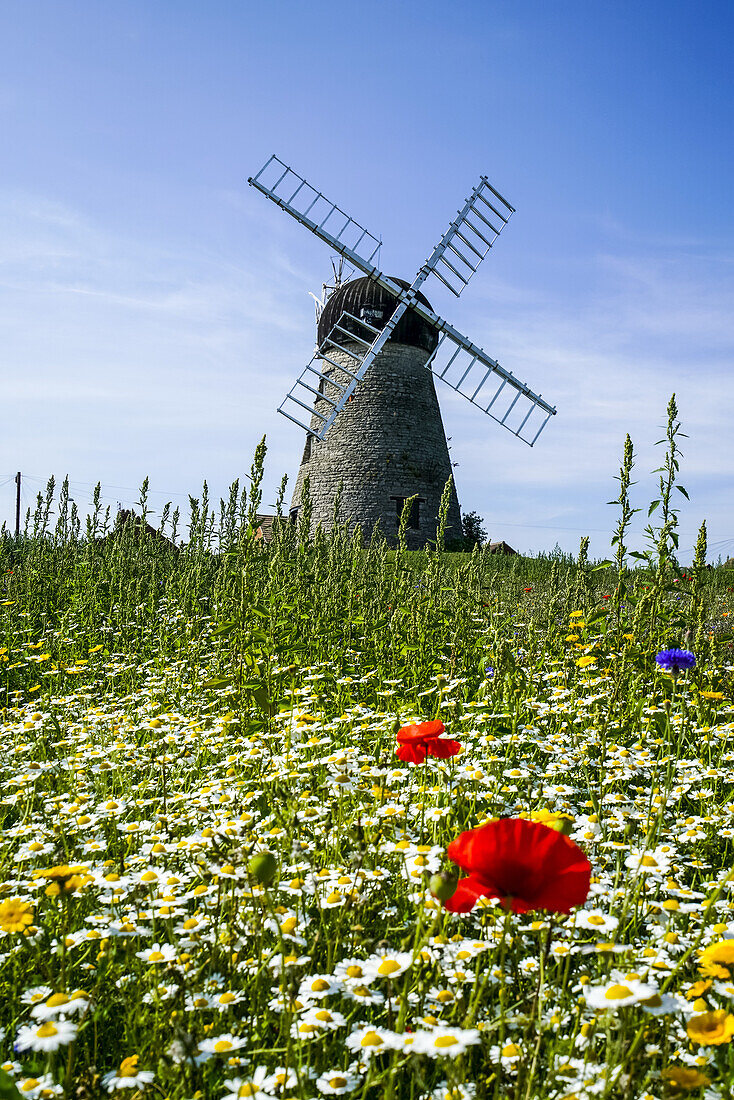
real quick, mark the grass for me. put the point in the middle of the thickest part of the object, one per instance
(210, 850)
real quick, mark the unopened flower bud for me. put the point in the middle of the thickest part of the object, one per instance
(262, 867)
(561, 825)
(443, 885)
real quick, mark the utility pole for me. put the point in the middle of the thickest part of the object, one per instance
(17, 505)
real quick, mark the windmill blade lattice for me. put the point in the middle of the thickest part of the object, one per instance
(324, 218)
(469, 238)
(356, 343)
(481, 380)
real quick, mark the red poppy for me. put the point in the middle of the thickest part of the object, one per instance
(525, 864)
(605, 597)
(527, 590)
(418, 741)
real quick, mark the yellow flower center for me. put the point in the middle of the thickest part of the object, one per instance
(57, 999)
(156, 957)
(512, 1050)
(128, 1066)
(223, 1045)
(354, 971)
(319, 986)
(594, 918)
(388, 967)
(337, 1082)
(445, 1041)
(618, 992)
(371, 1039)
(46, 1030)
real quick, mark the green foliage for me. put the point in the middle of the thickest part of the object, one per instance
(473, 529)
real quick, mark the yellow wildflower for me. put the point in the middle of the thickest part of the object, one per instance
(717, 960)
(63, 879)
(685, 1078)
(15, 915)
(711, 1028)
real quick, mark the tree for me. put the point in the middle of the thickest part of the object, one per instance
(473, 529)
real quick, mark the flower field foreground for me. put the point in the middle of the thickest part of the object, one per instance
(221, 876)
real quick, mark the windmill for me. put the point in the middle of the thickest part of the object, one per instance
(365, 399)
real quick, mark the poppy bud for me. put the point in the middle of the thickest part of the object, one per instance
(443, 885)
(262, 867)
(560, 825)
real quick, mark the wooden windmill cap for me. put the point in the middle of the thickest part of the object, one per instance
(366, 299)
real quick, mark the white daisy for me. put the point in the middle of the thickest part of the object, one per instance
(318, 986)
(387, 964)
(222, 1044)
(251, 1087)
(595, 920)
(372, 1039)
(442, 1042)
(128, 1076)
(61, 1004)
(158, 953)
(49, 1035)
(335, 1082)
(619, 994)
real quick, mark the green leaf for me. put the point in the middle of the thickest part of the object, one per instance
(682, 490)
(655, 504)
(602, 565)
(223, 681)
(261, 697)
(8, 1090)
(225, 628)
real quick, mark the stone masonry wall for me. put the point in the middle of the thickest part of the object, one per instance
(387, 442)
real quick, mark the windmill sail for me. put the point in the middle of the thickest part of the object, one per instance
(359, 344)
(481, 380)
(469, 238)
(324, 218)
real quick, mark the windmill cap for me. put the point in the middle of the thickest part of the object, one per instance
(366, 299)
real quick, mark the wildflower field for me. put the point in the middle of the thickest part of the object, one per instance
(241, 781)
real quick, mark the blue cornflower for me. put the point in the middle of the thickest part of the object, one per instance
(489, 672)
(676, 660)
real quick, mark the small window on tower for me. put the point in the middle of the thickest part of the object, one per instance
(293, 515)
(414, 521)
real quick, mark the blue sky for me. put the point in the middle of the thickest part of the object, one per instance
(154, 309)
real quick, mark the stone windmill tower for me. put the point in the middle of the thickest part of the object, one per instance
(388, 443)
(366, 399)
